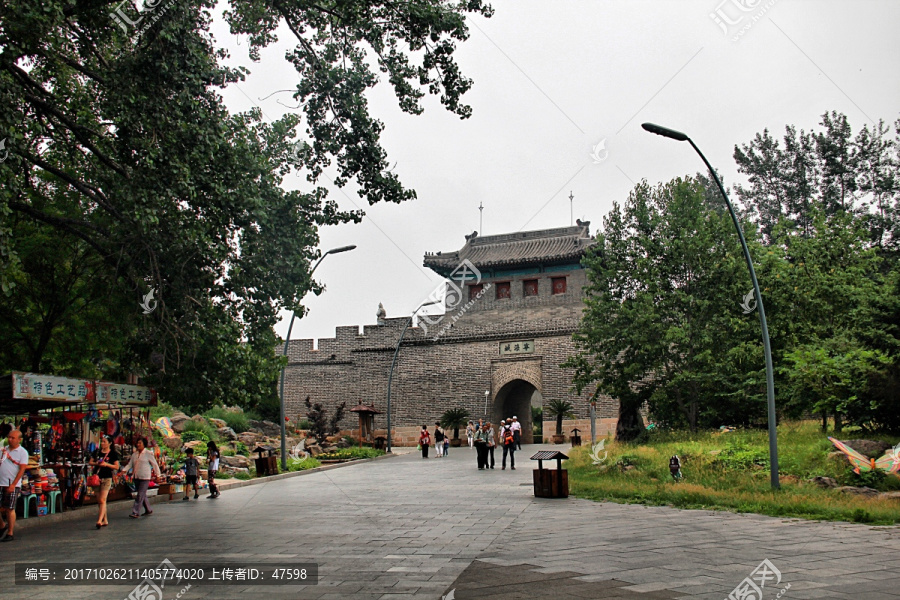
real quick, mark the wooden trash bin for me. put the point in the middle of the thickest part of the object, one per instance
(266, 461)
(550, 483)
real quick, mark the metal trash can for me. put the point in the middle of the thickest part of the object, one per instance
(550, 483)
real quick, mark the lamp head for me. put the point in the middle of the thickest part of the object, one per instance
(341, 249)
(665, 132)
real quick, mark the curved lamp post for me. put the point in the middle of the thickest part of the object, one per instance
(394, 361)
(770, 380)
(287, 341)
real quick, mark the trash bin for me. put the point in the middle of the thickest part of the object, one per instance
(379, 442)
(550, 483)
(575, 439)
(268, 464)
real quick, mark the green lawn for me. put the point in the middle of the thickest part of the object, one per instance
(729, 471)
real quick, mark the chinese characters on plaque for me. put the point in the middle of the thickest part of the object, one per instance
(520, 347)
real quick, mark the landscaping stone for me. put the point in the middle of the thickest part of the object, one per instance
(199, 419)
(178, 420)
(314, 450)
(858, 491)
(194, 444)
(235, 470)
(227, 433)
(234, 409)
(217, 423)
(173, 442)
(265, 427)
(824, 482)
(871, 448)
(236, 461)
(889, 496)
(249, 438)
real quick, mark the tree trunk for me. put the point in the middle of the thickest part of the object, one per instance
(838, 422)
(824, 421)
(559, 420)
(630, 424)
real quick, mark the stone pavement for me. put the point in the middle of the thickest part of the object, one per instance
(404, 527)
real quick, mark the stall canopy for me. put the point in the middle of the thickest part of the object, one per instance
(24, 392)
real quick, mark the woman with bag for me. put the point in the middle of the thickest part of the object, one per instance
(491, 443)
(105, 462)
(144, 465)
(424, 440)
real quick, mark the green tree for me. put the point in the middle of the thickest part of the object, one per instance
(560, 409)
(455, 418)
(663, 324)
(118, 138)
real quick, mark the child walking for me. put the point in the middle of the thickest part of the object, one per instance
(191, 471)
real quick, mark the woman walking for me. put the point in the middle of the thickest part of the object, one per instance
(491, 443)
(212, 467)
(143, 464)
(470, 433)
(438, 440)
(481, 447)
(509, 445)
(106, 461)
(424, 440)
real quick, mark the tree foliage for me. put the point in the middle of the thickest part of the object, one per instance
(121, 150)
(670, 320)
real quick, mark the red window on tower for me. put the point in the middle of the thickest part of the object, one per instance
(530, 287)
(559, 285)
(474, 290)
(503, 292)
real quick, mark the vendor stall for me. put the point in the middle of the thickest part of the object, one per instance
(62, 420)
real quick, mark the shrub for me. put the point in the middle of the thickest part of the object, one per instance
(190, 436)
(223, 475)
(208, 430)
(455, 418)
(304, 464)
(241, 448)
(242, 476)
(349, 453)
(238, 421)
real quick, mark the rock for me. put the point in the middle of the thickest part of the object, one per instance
(217, 423)
(227, 433)
(178, 421)
(234, 409)
(343, 444)
(235, 470)
(194, 444)
(889, 496)
(265, 427)
(333, 439)
(870, 448)
(858, 491)
(236, 461)
(314, 450)
(824, 482)
(199, 419)
(249, 438)
(173, 442)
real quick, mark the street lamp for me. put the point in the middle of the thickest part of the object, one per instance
(770, 379)
(394, 361)
(287, 341)
(487, 394)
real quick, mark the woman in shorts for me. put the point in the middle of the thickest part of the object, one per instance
(106, 461)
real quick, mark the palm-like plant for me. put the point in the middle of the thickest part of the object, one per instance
(561, 409)
(455, 418)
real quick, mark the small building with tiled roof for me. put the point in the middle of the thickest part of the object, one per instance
(512, 302)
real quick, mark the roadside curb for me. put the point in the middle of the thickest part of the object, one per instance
(90, 511)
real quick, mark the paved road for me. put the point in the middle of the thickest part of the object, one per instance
(403, 527)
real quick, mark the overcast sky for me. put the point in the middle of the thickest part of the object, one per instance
(555, 79)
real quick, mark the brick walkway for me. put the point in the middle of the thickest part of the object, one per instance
(404, 527)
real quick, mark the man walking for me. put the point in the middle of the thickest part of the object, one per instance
(13, 462)
(517, 431)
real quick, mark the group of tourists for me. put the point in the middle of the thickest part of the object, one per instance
(482, 437)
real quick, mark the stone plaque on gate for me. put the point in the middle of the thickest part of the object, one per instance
(521, 347)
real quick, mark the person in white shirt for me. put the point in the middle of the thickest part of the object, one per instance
(143, 463)
(13, 462)
(517, 431)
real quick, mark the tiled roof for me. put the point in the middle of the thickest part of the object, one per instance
(546, 246)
